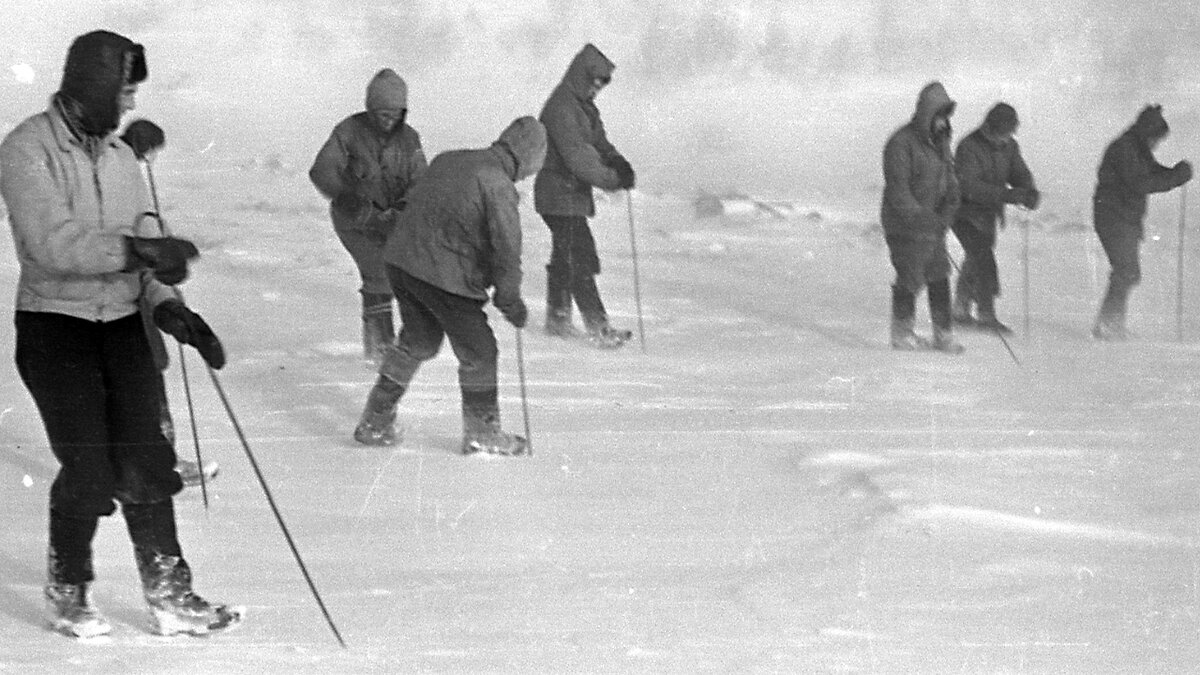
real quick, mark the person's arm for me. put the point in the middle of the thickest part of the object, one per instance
(328, 169)
(583, 159)
(504, 234)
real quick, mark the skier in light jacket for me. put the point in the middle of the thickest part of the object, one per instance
(1127, 174)
(365, 169)
(458, 238)
(88, 250)
(578, 159)
(920, 197)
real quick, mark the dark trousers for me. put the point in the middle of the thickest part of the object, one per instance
(100, 398)
(1121, 245)
(428, 315)
(918, 262)
(979, 278)
(365, 246)
(571, 274)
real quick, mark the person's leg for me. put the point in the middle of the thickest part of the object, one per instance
(1121, 248)
(420, 339)
(474, 344)
(57, 358)
(965, 288)
(166, 576)
(378, 329)
(937, 279)
(558, 277)
(907, 256)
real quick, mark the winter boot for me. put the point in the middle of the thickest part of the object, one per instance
(1110, 322)
(903, 317)
(379, 332)
(607, 337)
(1110, 328)
(174, 607)
(987, 317)
(482, 434)
(939, 314)
(191, 472)
(377, 426)
(70, 611)
(960, 311)
(558, 305)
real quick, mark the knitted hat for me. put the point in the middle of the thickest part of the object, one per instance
(1150, 122)
(525, 138)
(1001, 119)
(99, 64)
(387, 91)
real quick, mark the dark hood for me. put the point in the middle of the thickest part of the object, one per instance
(932, 100)
(587, 65)
(1150, 123)
(98, 65)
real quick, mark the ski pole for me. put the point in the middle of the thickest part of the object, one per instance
(1000, 335)
(271, 501)
(637, 287)
(187, 389)
(524, 396)
(1025, 272)
(1179, 275)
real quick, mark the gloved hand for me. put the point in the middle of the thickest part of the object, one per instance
(625, 175)
(1014, 195)
(1032, 199)
(514, 311)
(1183, 171)
(174, 318)
(167, 256)
(144, 137)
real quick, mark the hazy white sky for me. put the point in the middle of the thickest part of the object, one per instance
(761, 95)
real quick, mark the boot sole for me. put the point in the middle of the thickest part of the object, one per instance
(81, 631)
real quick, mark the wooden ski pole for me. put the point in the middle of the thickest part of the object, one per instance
(1179, 267)
(524, 395)
(187, 389)
(637, 286)
(1025, 271)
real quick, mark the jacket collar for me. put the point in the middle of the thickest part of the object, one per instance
(63, 136)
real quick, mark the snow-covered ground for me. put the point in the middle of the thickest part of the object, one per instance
(768, 487)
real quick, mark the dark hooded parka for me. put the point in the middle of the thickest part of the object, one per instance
(579, 156)
(920, 193)
(1128, 173)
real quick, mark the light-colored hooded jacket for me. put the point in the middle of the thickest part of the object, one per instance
(461, 230)
(68, 215)
(579, 153)
(920, 191)
(380, 168)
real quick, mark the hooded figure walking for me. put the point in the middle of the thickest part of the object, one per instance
(579, 157)
(920, 198)
(365, 169)
(991, 173)
(458, 238)
(89, 250)
(1128, 172)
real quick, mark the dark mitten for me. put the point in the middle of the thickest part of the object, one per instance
(514, 311)
(174, 318)
(1032, 199)
(144, 137)
(625, 175)
(1183, 171)
(167, 256)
